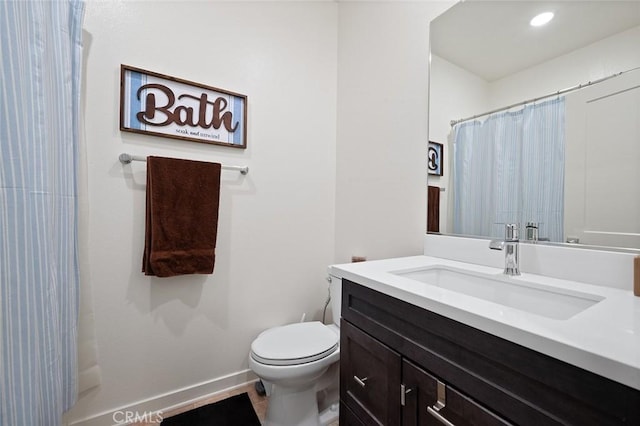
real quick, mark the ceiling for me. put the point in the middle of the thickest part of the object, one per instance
(493, 39)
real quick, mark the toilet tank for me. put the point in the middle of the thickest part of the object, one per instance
(335, 289)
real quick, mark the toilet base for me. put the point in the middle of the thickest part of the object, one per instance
(292, 407)
(329, 414)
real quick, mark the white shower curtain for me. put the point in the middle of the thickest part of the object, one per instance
(40, 47)
(510, 169)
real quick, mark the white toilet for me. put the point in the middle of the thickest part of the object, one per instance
(297, 361)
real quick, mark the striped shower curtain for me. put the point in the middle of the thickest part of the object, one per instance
(40, 47)
(510, 169)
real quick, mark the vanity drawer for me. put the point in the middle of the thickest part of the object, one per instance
(369, 377)
(428, 401)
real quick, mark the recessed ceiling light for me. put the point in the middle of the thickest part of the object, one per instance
(541, 19)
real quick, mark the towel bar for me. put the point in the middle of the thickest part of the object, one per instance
(128, 158)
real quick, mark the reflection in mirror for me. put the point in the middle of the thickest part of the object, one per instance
(547, 130)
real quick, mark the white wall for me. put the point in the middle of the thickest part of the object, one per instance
(454, 93)
(336, 168)
(450, 83)
(603, 58)
(382, 127)
(276, 225)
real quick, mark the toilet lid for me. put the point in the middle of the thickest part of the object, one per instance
(294, 344)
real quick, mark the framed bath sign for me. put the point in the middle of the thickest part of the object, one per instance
(170, 107)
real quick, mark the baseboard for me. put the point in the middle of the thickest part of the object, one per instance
(171, 400)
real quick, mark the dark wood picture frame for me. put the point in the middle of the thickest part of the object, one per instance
(201, 113)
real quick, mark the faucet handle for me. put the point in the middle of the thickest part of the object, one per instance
(531, 233)
(511, 232)
(496, 245)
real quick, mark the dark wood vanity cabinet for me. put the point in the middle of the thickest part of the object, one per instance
(374, 378)
(403, 365)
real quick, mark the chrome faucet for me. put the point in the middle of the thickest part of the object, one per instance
(510, 245)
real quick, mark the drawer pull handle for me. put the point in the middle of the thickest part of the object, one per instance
(439, 416)
(360, 381)
(403, 394)
(441, 390)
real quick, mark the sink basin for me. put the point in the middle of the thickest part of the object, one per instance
(515, 292)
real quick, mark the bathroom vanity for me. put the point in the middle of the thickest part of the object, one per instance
(415, 352)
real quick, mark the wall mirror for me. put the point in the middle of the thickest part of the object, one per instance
(572, 86)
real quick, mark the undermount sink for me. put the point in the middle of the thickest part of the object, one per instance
(518, 293)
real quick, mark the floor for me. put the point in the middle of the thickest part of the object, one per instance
(259, 403)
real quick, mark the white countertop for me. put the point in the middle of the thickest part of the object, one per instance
(604, 338)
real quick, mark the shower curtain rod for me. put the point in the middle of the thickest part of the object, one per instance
(128, 158)
(558, 93)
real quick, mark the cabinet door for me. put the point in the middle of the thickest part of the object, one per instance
(347, 418)
(430, 402)
(369, 377)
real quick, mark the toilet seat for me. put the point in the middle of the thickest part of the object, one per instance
(294, 344)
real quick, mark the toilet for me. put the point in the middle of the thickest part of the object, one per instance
(299, 363)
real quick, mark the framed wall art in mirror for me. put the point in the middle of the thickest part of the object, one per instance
(434, 158)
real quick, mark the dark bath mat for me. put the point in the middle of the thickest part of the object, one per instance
(234, 411)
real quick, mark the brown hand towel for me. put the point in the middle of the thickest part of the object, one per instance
(433, 209)
(182, 217)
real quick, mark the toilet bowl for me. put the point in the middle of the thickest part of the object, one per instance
(295, 360)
